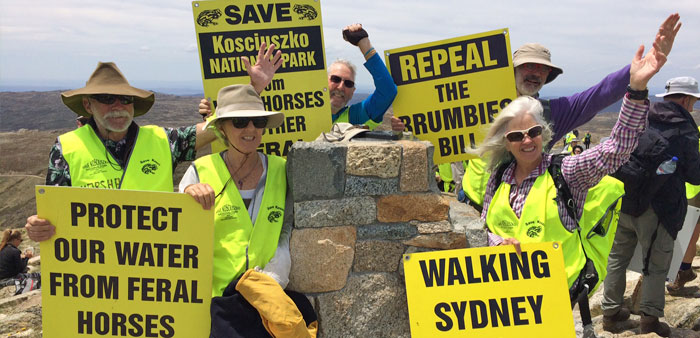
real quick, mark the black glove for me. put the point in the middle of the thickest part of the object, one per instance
(354, 37)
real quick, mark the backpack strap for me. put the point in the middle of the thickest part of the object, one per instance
(563, 192)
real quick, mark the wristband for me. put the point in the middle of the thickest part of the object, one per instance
(369, 51)
(637, 94)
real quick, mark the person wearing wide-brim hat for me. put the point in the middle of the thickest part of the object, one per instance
(533, 68)
(248, 190)
(111, 151)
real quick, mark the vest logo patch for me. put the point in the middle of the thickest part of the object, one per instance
(534, 231)
(95, 166)
(274, 216)
(506, 225)
(149, 167)
(227, 212)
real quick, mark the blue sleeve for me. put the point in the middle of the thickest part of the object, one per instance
(374, 106)
(570, 112)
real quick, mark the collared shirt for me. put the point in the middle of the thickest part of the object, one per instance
(580, 172)
(182, 141)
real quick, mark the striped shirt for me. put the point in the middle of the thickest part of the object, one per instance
(582, 171)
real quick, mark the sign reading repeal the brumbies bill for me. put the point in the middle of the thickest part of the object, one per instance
(450, 90)
(125, 263)
(227, 30)
(489, 292)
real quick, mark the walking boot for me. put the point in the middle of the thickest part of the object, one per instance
(610, 322)
(683, 276)
(650, 324)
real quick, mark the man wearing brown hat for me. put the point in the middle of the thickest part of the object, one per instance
(113, 152)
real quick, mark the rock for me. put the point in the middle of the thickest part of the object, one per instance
(346, 211)
(386, 231)
(370, 186)
(305, 160)
(411, 250)
(413, 167)
(448, 240)
(466, 219)
(432, 227)
(403, 208)
(321, 258)
(377, 256)
(371, 305)
(373, 159)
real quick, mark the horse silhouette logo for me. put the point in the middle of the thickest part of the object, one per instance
(149, 168)
(534, 231)
(274, 216)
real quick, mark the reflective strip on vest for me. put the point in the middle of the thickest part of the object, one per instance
(238, 245)
(149, 167)
(475, 180)
(345, 117)
(539, 222)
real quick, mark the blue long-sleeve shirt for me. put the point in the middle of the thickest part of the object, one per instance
(374, 106)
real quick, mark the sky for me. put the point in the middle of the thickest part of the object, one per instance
(49, 44)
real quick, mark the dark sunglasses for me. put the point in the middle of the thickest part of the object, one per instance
(338, 79)
(519, 135)
(242, 122)
(111, 98)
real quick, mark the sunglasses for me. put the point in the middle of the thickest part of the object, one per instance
(338, 79)
(242, 122)
(537, 67)
(519, 135)
(111, 98)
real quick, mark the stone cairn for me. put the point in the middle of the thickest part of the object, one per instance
(359, 207)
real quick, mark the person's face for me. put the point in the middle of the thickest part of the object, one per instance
(115, 116)
(17, 241)
(245, 139)
(340, 93)
(577, 151)
(691, 100)
(528, 150)
(530, 77)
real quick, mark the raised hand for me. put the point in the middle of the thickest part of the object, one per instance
(265, 67)
(667, 33)
(643, 69)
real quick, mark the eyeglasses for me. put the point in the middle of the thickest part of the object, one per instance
(111, 98)
(519, 135)
(242, 122)
(537, 67)
(338, 79)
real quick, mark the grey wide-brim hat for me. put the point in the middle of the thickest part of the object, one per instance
(243, 101)
(107, 79)
(685, 85)
(536, 53)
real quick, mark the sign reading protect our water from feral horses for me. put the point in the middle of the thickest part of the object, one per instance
(125, 263)
(228, 30)
(489, 292)
(450, 90)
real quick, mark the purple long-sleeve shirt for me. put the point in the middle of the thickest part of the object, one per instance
(580, 172)
(569, 112)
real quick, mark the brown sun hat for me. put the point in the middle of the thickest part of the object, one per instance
(107, 79)
(536, 53)
(243, 101)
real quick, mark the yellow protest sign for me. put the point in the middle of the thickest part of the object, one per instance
(449, 91)
(226, 31)
(489, 292)
(125, 263)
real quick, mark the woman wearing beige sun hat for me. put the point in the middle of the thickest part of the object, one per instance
(252, 223)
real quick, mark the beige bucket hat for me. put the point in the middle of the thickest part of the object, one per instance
(243, 101)
(108, 79)
(685, 85)
(536, 53)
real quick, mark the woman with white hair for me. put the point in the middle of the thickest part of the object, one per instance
(519, 204)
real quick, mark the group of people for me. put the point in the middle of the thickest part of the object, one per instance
(251, 253)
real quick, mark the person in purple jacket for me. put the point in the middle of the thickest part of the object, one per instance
(533, 69)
